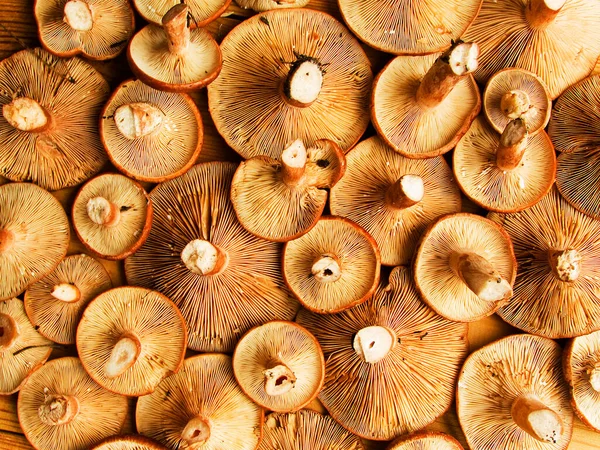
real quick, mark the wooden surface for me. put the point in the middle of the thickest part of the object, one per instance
(17, 28)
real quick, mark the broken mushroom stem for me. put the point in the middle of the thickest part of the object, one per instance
(78, 15)
(135, 120)
(123, 355)
(515, 104)
(203, 258)
(595, 377)
(303, 83)
(9, 331)
(66, 292)
(512, 146)
(7, 238)
(326, 268)
(541, 12)
(26, 114)
(58, 409)
(293, 163)
(405, 192)
(480, 276)
(175, 24)
(103, 212)
(373, 343)
(565, 264)
(279, 378)
(196, 431)
(536, 419)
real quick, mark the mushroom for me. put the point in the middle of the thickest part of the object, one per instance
(129, 442)
(34, 236)
(558, 253)
(22, 348)
(511, 395)
(267, 5)
(425, 440)
(223, 279)
(112, 216)
(465, 267)
(202, 12)
(577, 177)
(130, 338)
(581, 366)
(201, 406)
(56, 302)
(392, 197)
(48, 126)
(333, 267)
(422, 105)
(96, 29)
(173, 57)
(532, 35)
(504, 173)
(60, 406)
(391, 362)
(287, 75)
(281, 201)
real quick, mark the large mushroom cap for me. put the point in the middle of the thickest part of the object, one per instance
(201, 406)
(558, 253)
(60, 406)
(129, 442)
(511, 395)
(426, 441)
(391, 363)
(333, 267)
(22, 348)
(151, 135)
(223, 279)
(55, 303)
(267, 5)
(392, 197)
(202, 12)
(279, 365)
(295, 74)
(34, 236)
(49, 122)
(465, 267)
(577, 176)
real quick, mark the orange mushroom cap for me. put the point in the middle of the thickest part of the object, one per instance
(202, 12)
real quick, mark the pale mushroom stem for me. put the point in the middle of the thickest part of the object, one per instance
(515, 104)
(279, 378)
(541, 12)
(58, 409)
(26, 114)
(103, 212)
(373, 343)
(78, 15)
(196, 431)
(7, 238)
(124, 355)
(304, 82)
(459, 61)
(536, 419)
(9, 331)
(293, 163)
(203, 258)
(512, 146)
(326, 268)
(135, 120)
(66, 292)
(175, 24)
(405, 192)
(595, 378)
(565, 264)
(480, 276)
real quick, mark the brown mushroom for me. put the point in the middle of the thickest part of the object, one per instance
(426, 441)
(129, 442)
(202, 12)
(392, 197)
(577, 177)
(267, 5)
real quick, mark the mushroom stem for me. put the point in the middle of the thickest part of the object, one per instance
(536, 419)
(124, 355)
(279, 379)
(58, 409)
(7, 238)
(326, 268)
(480, 276)
(175, 24)
(78, 15)
(515, 103)
(541, 12)
(406, 192)
(458, 61)
(66, 292)
(293, 163)
(565, 264)
(9, 331)
(196, 431)
(204, 258)
(304, 82)
(595, 377)
(373, 343)
(135, 120)
(103, 212)
(26, 114)
(513, 143)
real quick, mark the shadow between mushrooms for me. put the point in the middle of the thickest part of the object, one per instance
(202, 12)
(129, 442)
(425, 440)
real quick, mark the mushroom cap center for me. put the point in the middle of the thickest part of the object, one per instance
(103, 212)
(326, 269)
(135, 120)
(407, 191)
(196, 432)
(279, 380)
(536, 419)
(7, 238)
(515, 103)
(480, 276)
(595, 377)
(25, 114)
(373, 343)
(9, 331)
(465, 58)
(565, 264)
(58, 409)
(78, 15)
(66, 292)
(304, 82)
(203, 258)
(123, 355)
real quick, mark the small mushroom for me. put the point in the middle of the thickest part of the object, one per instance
(129, 442)
(511, 395)
(202, 12)
(267, 5)
(577, 176)
(465, 267)
(426, 440)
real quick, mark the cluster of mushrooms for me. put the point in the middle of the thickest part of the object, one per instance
(318, 267)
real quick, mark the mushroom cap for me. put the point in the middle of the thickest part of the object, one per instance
(169, 150)
(28, 349)
(100, 413)
(557, 56)
(480, 178)
(512, 79)
(267, 5)
(34, 236)
(426, 440)
(111, 28)
(307, 430)
(247, 102)
(135, 216)
(439, 285)
(357, 261)
(410, 129)
(372, 167)
(542, 304)
(72, 93)
(129, 442)
(202, 12)
(404, 391)
(415, 27)
(57, 319)
(279, 343)
(577, 177)
(219, 308)
(149, 317)
(235, 422)
(496, 375)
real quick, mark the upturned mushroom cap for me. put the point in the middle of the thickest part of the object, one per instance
(201, 406)
(279, 365)
(577, 177)
(426, 441)
(507, 172)
(465, 267)
(392, 197)
(98, 30)
(511, 395)
(333, 267)
(267, 5)
(55, 303)
(49, 121)
(202, 12)
(282, 200)
(61, 406)
(22, 348)
(223, 279)
(558, 249)
(373, 354)
(296, 74)
(421, 106)
(151, 135)
(34, 236)
(129, 442)
(112, 216)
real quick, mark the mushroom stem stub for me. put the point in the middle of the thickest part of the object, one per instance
(9, 331)
(293, 162)
(124, 355)
(542, 12)
(66, 292)
(25, 114)
(7, 238)
(595, 377)
(480, 276)
(135, 120)
(406, 192)
(204, 258)
(279, 379)
(175, 24)
(326, 269)
(196, 431)
(103, 212)
(565, 264)
(539, 421)
(58, 409)
(78, 15)
(515, 103)
(304, 82)
(513, 143)
(373, 343)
